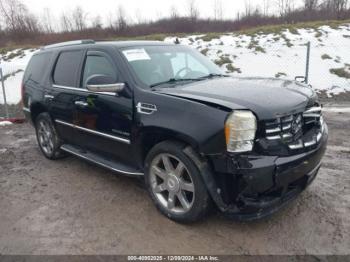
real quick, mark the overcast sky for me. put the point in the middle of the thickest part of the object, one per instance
(144, 9)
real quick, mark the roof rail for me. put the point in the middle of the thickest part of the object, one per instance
(69, 43)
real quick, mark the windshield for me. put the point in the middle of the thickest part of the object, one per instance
(158, 65)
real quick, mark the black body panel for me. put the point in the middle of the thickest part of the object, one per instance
(124, 127)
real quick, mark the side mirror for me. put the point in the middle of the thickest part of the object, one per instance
(103, 83)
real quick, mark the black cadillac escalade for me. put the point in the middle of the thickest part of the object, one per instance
(167, 113)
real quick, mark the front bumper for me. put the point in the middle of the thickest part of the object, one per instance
(254, 186)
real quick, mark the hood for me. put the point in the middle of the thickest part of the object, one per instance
(268, 98)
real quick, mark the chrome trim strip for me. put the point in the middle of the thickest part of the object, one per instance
(26, 109)
(273, 137)
(313, 110)
(64, 123)
(310, 143)
(83, 90)
(273, 130)
(288, 135)
(143, 109)
(296, 146)
(311, 115)
(99, 163)
(286, 127)
(116, 138)
(49, 96)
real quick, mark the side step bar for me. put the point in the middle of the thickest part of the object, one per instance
(101, 161)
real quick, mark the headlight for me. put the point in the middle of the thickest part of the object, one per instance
(240, 129)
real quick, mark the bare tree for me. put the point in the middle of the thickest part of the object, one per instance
(46, 21)
(173, 12)
(66, 23)
(247, 8)
(17, 18)
(121, 22)
(193, 11)
(266, 7)
(218, 10)
(139, 17)
(96, 22)
(335, 7)
(79, 18)
(310, 5)
(285, 7)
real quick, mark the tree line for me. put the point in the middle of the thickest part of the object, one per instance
(19, 25)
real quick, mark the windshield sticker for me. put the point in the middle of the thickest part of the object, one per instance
(136, 54)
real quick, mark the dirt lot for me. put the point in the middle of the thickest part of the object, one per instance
(72, 207)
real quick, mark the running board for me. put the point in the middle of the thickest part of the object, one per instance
(101, 161)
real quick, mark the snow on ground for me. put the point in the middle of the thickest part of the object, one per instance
(13, 72)
(5, 123)
(281, 54)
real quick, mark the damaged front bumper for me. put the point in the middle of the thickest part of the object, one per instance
(251, 187)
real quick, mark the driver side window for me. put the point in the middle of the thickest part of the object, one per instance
(97, 65)
(183, 60)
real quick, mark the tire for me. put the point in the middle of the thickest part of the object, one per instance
(175, 184)
(48, 140)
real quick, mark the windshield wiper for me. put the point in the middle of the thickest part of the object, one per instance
(174, 80)
(213, 75)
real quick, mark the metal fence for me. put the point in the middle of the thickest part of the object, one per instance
(10, 91)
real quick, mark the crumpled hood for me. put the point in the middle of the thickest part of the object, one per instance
(268, 98)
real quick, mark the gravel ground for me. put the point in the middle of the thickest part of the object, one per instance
(72, 207)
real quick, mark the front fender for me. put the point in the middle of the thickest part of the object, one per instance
(201, 125)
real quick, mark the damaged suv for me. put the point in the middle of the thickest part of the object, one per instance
(167, 113)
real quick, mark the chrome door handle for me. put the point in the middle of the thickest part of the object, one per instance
(49, 97)
(81, 103)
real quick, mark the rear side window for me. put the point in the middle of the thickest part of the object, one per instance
(98, 65)
(67, 68)
(37, 67)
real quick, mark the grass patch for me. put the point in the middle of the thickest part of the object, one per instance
(287, 40)
(280, 74)
(254, 44)
(223, 60)
(337, 59)
(231, 68)
(318, 34)
(293, 31)
(326, 56)
(205, 51)
(278, 29)
(7, 49)
(343, 72)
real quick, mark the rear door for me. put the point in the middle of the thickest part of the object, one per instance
(103, 120)
(64, 91)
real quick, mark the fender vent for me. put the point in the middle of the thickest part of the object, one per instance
(146, 109)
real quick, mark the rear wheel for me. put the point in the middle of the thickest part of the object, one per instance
(47, 137)
(175, 184)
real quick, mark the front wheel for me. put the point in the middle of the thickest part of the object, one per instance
(175, 184)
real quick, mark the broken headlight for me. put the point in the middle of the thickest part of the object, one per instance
(240, 129)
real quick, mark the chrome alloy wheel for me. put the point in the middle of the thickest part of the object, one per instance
(172, 184)
(46, 137)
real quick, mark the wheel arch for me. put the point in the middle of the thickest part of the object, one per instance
(36, 109)
(152, 136)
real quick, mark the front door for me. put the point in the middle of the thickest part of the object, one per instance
(103, 120)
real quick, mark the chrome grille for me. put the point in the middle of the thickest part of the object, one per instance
(290, 129)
